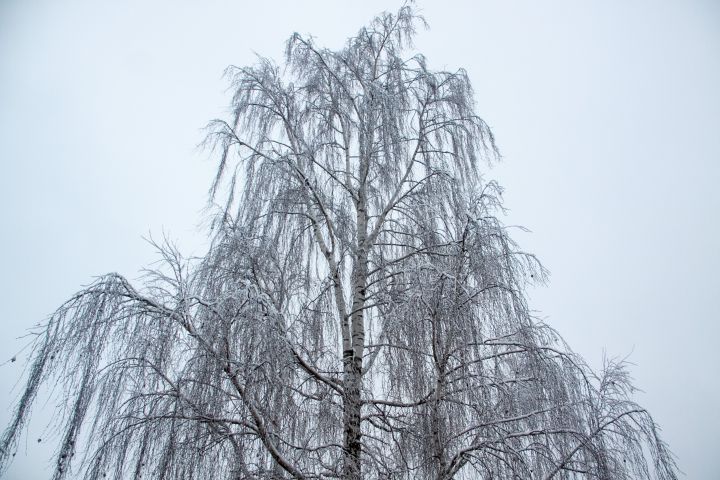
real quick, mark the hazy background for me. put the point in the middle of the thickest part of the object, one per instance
(607, 114)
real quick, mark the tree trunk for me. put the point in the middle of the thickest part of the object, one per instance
(353, 366)
(353, 358)
(351, 417)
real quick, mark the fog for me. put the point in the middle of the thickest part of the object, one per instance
(607, 116)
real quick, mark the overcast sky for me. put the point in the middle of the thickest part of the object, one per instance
(607, 114)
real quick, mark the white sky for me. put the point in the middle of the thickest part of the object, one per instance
(607, 114)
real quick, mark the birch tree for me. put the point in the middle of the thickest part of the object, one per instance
(359, 314)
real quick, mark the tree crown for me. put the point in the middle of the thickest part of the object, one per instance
(359, 314)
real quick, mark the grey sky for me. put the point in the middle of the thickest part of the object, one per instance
(607, 114)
